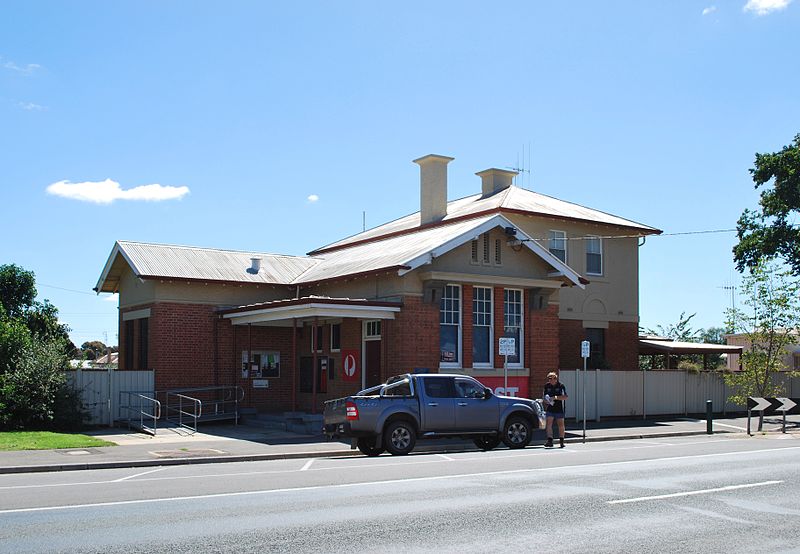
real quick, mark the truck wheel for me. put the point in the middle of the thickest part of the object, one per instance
(366, 446)
(400, 438)
(486, 442)
(517, 432)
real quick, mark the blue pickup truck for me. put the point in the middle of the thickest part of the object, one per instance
(392, 416)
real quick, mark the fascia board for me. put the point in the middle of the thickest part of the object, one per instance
(452, 243)
(312, 310)
(110, 262)
(557, 264)
(495, 221)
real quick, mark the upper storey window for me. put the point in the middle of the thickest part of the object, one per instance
(558, 245)
(594, 256)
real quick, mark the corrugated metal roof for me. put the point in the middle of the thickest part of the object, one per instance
(407, 251)
(413, 250)
(511, 198)
(184, 262)
(679, 347)
(387, 253)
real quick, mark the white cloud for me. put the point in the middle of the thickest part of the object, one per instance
(709, 10)
(31, 107)
(764, 7)
(313, 197)
(26, 70)
(111, 298)
(106, 192)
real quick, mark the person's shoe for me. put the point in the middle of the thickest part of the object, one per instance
(561, 441)
(548, 443)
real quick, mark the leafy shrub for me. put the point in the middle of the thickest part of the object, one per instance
(34, 391)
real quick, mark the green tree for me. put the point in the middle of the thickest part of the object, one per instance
(681, 330)
(33, 358)
(772, 231)
(770, 315)
(93, 349)
(713, 335)
(17, 289)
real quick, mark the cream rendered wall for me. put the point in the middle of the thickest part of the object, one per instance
(135, 291)
(377, 287)
(612, 296)
(522, 264)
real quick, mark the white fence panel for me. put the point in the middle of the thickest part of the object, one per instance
(652, 393)
(100, 390)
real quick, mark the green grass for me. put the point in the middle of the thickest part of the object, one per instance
(45, 440)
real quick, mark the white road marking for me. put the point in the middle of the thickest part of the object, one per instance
(307, 464)
(448, 458)
(137, 475)
(709, 513)
(394, 481)
(692, 493)
(375, 462)
(731, 426)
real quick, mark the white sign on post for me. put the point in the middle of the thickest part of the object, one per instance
(585, 349)
(508, 346)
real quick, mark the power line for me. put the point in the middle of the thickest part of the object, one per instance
(62, 288)
(638, 236)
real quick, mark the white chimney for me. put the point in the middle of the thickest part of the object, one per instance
(494, 180)
(255, 265)
(432, 187)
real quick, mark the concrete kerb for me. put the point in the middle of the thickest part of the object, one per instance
(333, 453)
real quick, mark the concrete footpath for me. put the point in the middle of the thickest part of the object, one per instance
(256, 440)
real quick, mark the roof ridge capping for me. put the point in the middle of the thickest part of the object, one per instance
(215, 249)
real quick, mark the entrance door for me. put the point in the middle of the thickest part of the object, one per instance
(372, 362)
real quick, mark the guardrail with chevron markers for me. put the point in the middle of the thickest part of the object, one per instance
(771, 406)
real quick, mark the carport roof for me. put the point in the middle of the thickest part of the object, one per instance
(649, 347)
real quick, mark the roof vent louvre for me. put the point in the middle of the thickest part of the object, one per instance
(255, 266)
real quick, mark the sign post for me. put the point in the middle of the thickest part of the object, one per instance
(585, 347)
(508, 347)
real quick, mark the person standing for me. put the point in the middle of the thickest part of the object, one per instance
(553, 397)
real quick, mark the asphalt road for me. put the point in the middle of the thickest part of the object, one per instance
(698, 494)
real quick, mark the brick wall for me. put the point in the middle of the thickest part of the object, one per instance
(543, 338)
(413, 337)
(622, 345)
(621, 348)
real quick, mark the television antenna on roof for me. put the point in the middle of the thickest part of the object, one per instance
(522, 170)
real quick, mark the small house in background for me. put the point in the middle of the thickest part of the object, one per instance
(430, 291)
(109, 360)
(791, 357)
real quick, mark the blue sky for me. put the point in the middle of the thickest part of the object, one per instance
(273, 126)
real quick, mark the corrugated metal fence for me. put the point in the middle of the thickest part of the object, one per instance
(100, 390)
(651, 393)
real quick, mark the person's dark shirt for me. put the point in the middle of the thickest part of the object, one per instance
(555, 389)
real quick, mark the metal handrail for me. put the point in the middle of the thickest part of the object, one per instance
(217, 404)
(154, 414)
(195, 414)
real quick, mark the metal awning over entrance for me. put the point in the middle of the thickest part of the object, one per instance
(285, 312)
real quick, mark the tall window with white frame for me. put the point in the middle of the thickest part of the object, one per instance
(450, 327)
(558, 245)
(594, 256)
(512, 318)
(482, 327)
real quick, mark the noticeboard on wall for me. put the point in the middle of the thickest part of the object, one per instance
(263, 363)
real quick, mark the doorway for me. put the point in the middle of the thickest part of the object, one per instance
(372, 353)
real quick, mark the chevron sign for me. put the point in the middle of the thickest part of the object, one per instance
(786, 405)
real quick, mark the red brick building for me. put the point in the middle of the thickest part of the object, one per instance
(434, 290)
